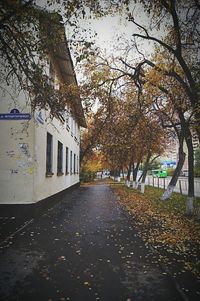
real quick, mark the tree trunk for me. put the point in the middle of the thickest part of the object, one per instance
(188, 136)
(142, 187)
(135, 184)
(145, 173)
(114, 172)
(128, 176)
(122, 173)
(129, 173)
(140, 177)
(190, 198)
(170, 188)
(135, 171)
(146, 168)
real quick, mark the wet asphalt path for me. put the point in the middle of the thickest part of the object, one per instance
(84, 248)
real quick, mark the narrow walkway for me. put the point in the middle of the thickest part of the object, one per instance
(83, 249)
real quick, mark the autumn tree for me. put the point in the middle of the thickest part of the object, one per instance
(121, 132)
(177, 34)
(130, 136)
(181, 37)
(90, 136)
(29, 35)
(91, 165)
(173, 109)
(28, 38)
(98, 96)
(179, 112)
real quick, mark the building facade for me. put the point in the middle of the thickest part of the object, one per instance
(39, 156)
(170, 157)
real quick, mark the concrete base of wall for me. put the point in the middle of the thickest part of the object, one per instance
(28, 211)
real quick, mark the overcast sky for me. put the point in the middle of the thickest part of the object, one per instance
(108, 28)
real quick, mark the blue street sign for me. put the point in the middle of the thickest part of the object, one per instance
(39, 118)
(15, 116)
(14, 111)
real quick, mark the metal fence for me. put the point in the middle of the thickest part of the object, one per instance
(181, 186)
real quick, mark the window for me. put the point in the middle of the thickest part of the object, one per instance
(60, 159)
(49, 155)
(71, 162)
(77, 167)
(74, 163)
(67, 161)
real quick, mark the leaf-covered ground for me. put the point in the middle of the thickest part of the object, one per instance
(164, 226)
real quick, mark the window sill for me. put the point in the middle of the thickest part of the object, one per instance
(59, 174)
(49, 174)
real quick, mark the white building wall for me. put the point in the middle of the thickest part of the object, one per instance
(23, 142)
(16, 152)
(47, 186)
(23, 155)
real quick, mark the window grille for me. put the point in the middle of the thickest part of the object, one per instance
(49, 153)
(67, 161)
(60, 158)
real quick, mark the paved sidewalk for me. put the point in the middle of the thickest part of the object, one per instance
(13, 218)
(85, 248)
